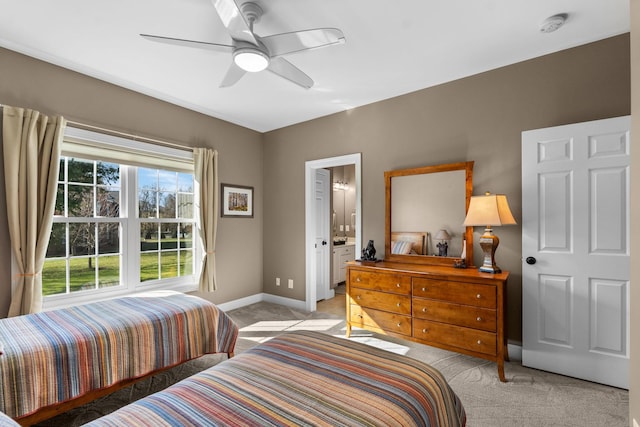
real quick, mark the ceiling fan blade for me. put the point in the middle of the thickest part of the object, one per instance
(287, 70)
(234, 21)
(188, 43)
(281, 44)
(234, 73)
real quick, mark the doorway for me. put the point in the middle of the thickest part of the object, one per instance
(311, 218)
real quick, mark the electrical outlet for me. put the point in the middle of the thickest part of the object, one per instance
(341, 227)
(346, 228)
(277, 281)
(290, 283)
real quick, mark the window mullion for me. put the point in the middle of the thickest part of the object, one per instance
(131, 229)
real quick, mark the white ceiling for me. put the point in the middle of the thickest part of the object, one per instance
(392, 47)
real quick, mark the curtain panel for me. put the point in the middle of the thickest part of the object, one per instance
(206, 177)
(31, 142)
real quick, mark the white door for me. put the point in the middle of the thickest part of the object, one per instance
(575, 249)
(322, 233)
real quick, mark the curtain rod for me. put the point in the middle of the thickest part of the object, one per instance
(112, 132)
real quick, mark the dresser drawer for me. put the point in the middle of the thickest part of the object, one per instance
(456, 336)
(455, 314)
(387, 282)
(456, 292)
(389, 322)
(381, 300)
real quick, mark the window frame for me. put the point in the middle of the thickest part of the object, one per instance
(90, 145)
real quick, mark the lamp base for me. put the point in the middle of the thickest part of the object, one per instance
(489, 243)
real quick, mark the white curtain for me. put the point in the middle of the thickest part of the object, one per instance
(206, 176)
(31, 142)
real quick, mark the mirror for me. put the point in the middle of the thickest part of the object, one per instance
(420, 203)
(343, 217)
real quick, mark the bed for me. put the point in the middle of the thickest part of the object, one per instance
(302, 378)
(53, 361)
(409, 243)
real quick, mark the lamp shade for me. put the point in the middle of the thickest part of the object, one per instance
(443, 235)
(488, 210)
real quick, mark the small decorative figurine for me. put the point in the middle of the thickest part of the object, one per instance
(442, 248)
(460, 263)
(369, 253)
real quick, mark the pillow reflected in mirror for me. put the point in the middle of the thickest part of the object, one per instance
(401, 247)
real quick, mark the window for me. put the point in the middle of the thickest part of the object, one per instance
(122, 223)
(165, 206)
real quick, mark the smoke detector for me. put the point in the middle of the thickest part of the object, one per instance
(554, 22)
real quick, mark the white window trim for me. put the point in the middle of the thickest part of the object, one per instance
(78, 143)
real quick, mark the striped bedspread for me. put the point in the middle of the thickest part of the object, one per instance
(55, 356)
(302, 379)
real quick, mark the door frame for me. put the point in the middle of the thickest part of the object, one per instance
(310, 217)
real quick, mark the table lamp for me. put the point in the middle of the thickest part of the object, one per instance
(489, 210)
(443, 246)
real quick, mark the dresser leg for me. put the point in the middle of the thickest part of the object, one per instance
(348, 332)
(501, 371)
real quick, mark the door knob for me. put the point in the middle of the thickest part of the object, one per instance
(530, 260)
(324, 242)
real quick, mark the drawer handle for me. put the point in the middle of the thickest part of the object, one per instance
(398, 305)
(424, 289)
(424, 331)
(399, 324)
(360, 316)
(479, 342)
(424, 309)
(397, 285)
(478, 296)
(358, 297)
(358, 279)
(479, 319)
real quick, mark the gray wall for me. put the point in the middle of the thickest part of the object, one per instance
(29, 83)
(478, 118)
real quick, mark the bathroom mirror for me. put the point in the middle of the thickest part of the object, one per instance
(343, 218)
(421, 203)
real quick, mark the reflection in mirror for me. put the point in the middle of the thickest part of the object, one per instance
(430, 203)
(427, 206)
(344, 203)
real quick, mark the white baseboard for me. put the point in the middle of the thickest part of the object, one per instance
(242, 302)
(515, 352)
(287, 302)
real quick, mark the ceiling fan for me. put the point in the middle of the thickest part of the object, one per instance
(253, 53)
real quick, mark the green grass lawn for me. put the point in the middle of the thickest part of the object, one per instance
(83, 275)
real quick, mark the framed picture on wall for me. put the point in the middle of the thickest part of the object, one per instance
(237, 201)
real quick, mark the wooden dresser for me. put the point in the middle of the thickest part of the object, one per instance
(461, 310)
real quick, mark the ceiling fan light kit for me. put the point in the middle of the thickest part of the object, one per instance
(250, 59)
(253, 53)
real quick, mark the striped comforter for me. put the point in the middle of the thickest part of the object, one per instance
(301, 379)
(55, 356)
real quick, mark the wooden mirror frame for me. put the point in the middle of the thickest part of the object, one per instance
(467, 167)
